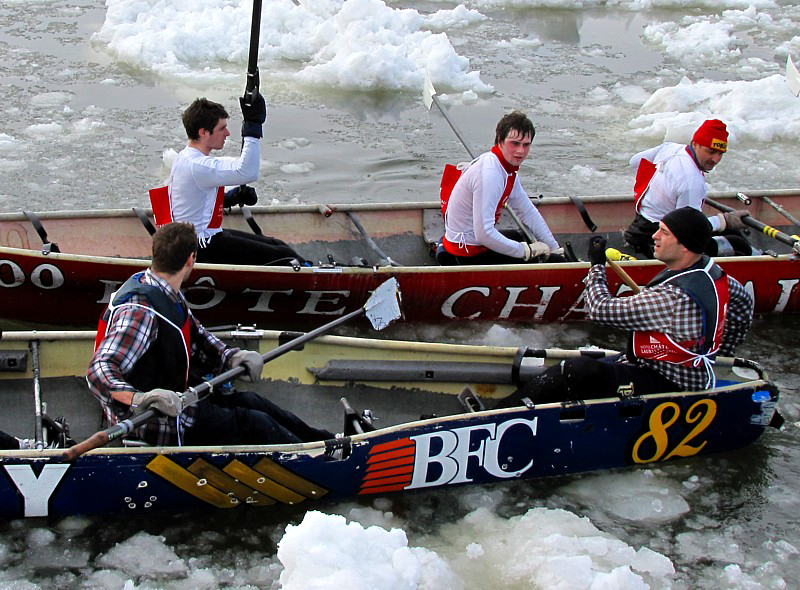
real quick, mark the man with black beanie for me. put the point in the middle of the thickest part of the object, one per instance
(688, 314)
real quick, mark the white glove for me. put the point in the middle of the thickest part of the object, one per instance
(252, 361)
(165, 401)
(732, 220)
(535, 250)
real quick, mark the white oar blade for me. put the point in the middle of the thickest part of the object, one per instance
(792, 77)
(428, 92)
(383, 307)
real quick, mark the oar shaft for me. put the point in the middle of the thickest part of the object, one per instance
(626, 278)
(255, 34)
(780, 209)
(450, 122)
(384, 258)
(762, 227)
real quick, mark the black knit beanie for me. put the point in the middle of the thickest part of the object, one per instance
(690, 227)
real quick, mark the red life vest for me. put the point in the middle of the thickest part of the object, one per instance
(450, 178)
(644, 174)
(707, 284)
(162, 207)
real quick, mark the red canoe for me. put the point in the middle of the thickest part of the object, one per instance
(100, 249)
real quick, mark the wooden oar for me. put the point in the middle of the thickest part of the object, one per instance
(382, 308)
(762, 227)
(626, 278)
(429, 96)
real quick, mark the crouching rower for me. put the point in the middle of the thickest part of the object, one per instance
(473, 199)
(688, 314)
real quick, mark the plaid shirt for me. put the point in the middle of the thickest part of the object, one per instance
(132, 328)
(669, 309)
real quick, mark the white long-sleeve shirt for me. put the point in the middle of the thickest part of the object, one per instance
(195, 178)
(677, 182)
(471, 209)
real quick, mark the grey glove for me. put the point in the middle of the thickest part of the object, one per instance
(165, 401)
(252, 361)
(255, 115)
(732, 220)
(535, 250)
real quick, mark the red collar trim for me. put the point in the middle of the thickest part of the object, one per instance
(508, 167)
(691, 153)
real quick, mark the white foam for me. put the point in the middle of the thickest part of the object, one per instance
(549, 548)
(370, 558)
(636, 495)
(695, 43)
(349, 44)
(8, 143)
(144, 555)
(762, 110)
(297, 168)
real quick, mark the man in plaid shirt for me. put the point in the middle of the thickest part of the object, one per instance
(688, 313)
(149, 347)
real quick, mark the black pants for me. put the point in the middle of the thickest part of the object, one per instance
(583, 378)
(639, 237)
(8, 442)
(444, 258)
(231, 246)
(246, 418)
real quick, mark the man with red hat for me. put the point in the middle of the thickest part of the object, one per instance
(686, 315)
(671, 176)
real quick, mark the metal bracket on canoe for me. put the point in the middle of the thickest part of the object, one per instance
(13, 361)
(470, 400)
(355, 423)
(47, 245)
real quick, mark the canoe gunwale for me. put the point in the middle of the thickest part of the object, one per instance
(320, 447)
(355, 207)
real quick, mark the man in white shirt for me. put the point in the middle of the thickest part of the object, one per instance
(472, 207)
(197, 181)
(671, 176)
